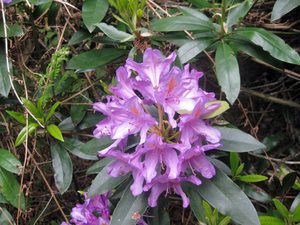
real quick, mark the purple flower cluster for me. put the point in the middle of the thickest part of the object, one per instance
(169, 144)
(83, 214)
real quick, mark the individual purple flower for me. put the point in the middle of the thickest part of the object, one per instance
(82, 216)
(98, 203)
(163, 183)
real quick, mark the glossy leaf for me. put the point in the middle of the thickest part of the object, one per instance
(130, 208)
(5, 217)
(281, 208)
(93, 146)
(228, 74)
(73, 146)
(186, 11)
(196, 204)
(234, 162)
(32, 108)
(18, 116)
(180, 23)
(238, 12)
(235, 140)
(55, 132)
(98, 166)
(95, 58)
(255, 192)
(93, 11)
(192, 48)
(114, 33)
(269, 220)
(201, 4)
(295, 207)
(288, 181)
(269, 42)
(66, 124)
(224, 106)
(79, 37)
(52, 110)
(9, 162)
(222, 193)
(78, 111)
(104, 183)
(282, 7)
(62, 166)
(239, 169)
(12, 30)
(255, 51)
(10, 187)
(3, 199)
(252, 178)
(159, 215)
(22, 135)
(90, 120)
(5, 84)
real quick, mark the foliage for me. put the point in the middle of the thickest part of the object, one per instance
(49, 80)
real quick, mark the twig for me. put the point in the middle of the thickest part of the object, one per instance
(43, 210)
(5, 215)
(273, 159)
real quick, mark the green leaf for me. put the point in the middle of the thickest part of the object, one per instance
(5, 84)
(223, 107)
(104, 183)
(269, 220)
(3, 199)
(95, 58)
(180, 23)
(201, 4)
(90, 120)
(196, 204)
(10, 187)
(12, 30)
(67, 124)
(238, 12)
(288, 181)
(9, 162)
(5, 217)
(78, 111)
(220, 192)
(114, 33)
(255, 51)
(130, 208)
(282, 7)
(79, 37)
(207, 209)
(62, 166)
(93, 11)
(252, 178)
(22, 135)
(228, 74)
(158, 213)
(51, 111)
(98, 166)
(31, 107)
(269, 42)
(281, 208)
(239, 169)
(234, 162)
(225, 221)
(194, 13)
(235, 140)
(192, 48)
(55, 132)
(18, 116)
(73, 146)
(295, 207)
(255, 192)
(93, 146)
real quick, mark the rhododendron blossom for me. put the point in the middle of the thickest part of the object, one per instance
(173, 137)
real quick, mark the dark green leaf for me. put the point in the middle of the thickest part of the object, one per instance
(255, 51)
(55, 132)
(201, 4)
(104, 183)
(192, 48)
(95, 58)
(114, 33)
(130, 208)
(6, 218)
(180, 23)
(51, 111)
(282, 7)
(222, 193)
(5, 84)
(228, 74)
(22, 135)
(98, 166)
(18, 116)
(12, 30)
(288, 181)
(105, 40)
(93, 146)
(281, 208)
(10, 187)
(67, 124)
(234, 140)
(90, 120)
(238, 12)
(234, 162)
(78, 111)
(73, 146)
(269, 220)
(62, 166)
(158, 213)
(3, 199)
(196, 204)
(93, 11)
(269, 42)
(79, 36)
(255, 192)
(9, 162)
(271, 142)
(252, 178)
(194, 13)
(295, 207)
